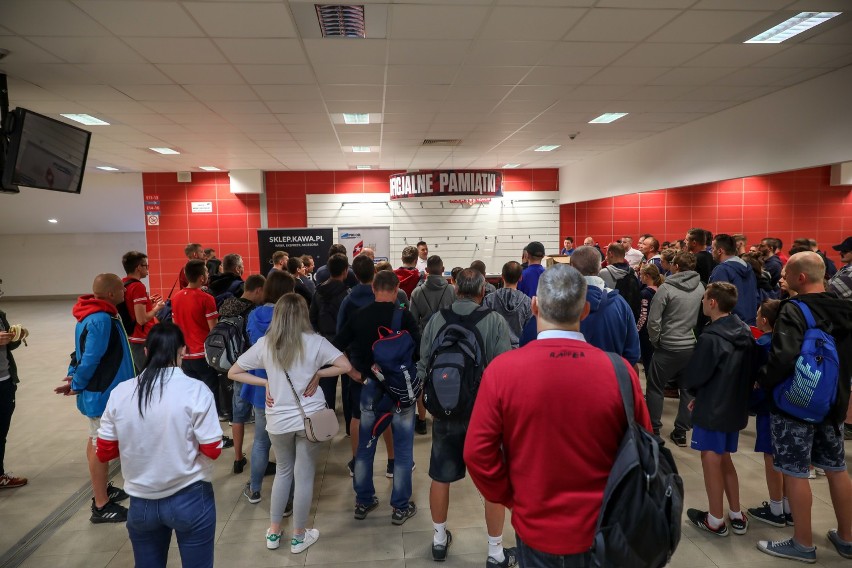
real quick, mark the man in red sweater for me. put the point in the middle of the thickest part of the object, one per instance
(526, 428)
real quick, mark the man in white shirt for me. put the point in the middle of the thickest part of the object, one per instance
(631, 255)
(422, 256)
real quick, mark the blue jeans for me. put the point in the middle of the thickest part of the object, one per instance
(191, 513)
(532, 558)
(259, 449)
(376, 406)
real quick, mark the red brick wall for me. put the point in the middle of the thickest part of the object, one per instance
(787, 205)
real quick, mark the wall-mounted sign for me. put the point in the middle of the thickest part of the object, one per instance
(202, 207)
(356, 239)
(450, 183)
(313, 241)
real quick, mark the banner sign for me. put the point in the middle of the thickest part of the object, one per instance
(356, 239)
(296, 242)
(450, 183)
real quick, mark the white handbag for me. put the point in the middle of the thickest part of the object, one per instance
(320, 426)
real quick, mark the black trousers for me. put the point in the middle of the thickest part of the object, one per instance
(7, 407)
(199, 369)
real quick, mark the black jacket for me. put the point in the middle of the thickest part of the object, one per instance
(326, 305)
(720, 375)
(13, 368)
(220, 284)
(833, 315)
(704, 265)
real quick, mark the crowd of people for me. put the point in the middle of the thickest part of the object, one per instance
(713, 322)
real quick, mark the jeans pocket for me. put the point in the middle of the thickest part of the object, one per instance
(137, 513)
(190, 506)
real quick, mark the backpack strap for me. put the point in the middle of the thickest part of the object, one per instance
(806, 311)
(396, 322)
(625, 386)
(173, 287)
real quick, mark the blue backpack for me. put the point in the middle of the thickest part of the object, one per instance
(811, 391)
(393, 355)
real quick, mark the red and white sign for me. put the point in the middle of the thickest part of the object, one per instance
(450, 183)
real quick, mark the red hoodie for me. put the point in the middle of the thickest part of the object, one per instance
(88, 305)
(408, 279)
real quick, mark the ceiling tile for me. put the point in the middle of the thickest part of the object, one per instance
(351, 74)
(155, 92)
(736, 55)
(658, 93)
(435, 22)
(27, 17)
(742, 5)
(487, 52)
(239, 20)
(757, 76)
(111, 108)
(546, 75)
(620, 25)
(202, 74)
(492, 75)
(262, 51)
(598, 93)
(322, 51)
(585, 54)
(426, 52)
(807, 55)
(206, 93)
(46, 74)
(125, 73)
(626, 75)
(335, 107)
(277, 74)
(530, 23)
(23, 51)
(840, 33)
(177, 50)
(141, 18)
(421, 74)
(352, 92)
(661, 54)
(477, 93)
(179, 108)
(287, 92)
(709, 26)
(674, 4)
(24, 90)
(238, 107)
(692, 76)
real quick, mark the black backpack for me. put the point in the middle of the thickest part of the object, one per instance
(127, 319)
(455, 366)
(628, 287)
(226, 342)
(639, 523)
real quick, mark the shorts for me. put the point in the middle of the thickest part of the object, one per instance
(713, 441)
(446, 464)
(763, 441)
(94, 426)
(240, 408)
(797, 445)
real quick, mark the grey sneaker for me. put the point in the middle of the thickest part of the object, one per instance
(362, 509)
(510, 558)
(439, 551)
(252, 496)
(401, 515)
(786, 549)
(844, 549)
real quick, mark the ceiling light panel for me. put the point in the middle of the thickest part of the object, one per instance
(341, 21)
(547, 148)
(792, 27)
(166, 151)
(86, 119)
(608, 117)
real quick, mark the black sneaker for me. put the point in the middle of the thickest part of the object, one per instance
(109, 513)
(439, 551)
(240, 464)
(399, 516)
(699, 519)
(227, 442)
(847, 431)
(288, 510)
(764, 515)
(270, 468)
(116, 494)
(789, 518)
(252, 496)
(678, 437)
(420, 426)
(361, 509)
(225, 418)
(351, 467)
(739, 525)
(510, 558)
(389, 470)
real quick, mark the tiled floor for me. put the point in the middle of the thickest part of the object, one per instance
(47, 443)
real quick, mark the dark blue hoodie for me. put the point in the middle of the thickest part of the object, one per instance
(258, 322)
(610, 324)
(739, 273)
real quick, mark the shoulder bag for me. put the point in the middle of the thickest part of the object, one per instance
(320, 426)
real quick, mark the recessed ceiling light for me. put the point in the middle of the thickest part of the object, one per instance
(209, 168)
(607, 117)
(356, 118)
(86, 119)
(164, 151)
(547, 148)
(361, 149)
(108, 168)
(799, 23)
(510, 166)
(363, 167)
(53, 220)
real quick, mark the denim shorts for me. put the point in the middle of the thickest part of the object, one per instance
(713, 441)
(241, 408)
(797, 445)
(446, 463)
(763, 440)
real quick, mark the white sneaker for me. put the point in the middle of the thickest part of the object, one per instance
(812, 474)
(311, 536)
(819, 471)
(273, 540)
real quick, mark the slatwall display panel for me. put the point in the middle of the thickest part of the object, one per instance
(495, 232)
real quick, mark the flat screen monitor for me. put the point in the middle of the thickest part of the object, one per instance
(44, 153)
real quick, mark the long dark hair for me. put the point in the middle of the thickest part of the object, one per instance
(164, 342)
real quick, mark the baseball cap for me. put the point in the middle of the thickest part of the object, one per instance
(535, 249)
(844, 246)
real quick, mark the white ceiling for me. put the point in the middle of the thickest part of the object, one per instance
(235, 84)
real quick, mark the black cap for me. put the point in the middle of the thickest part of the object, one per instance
(844, 246)
(535, 249)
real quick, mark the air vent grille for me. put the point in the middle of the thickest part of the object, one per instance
(341, 21)
(441, 142)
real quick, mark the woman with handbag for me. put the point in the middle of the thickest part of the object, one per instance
(297, 418)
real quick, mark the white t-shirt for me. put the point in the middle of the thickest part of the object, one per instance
(421, 264)
(284, 416)
(159, 451)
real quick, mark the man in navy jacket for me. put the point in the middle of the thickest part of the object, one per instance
(738, 272)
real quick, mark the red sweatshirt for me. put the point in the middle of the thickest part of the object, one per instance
(545, 429)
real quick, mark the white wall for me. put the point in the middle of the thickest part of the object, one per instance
(779, 132)
(61, 264)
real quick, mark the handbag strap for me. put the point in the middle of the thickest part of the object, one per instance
(296, 396)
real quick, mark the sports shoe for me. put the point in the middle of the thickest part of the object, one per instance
(227, 442)
(847, 431)
(8, 481)
(297, 546)
(699, 519)
(273, 540)
(116, 494)
(225, 417)
(399, 516)
(819, 471)
(361, 509)
(252, 496)
(764, 515)
(109, 513)
(789, 518)
(812, 474)
(510, 558)
(739, 525)
(786, 549)
(351, 467)
(844, 549)
(240, 464)
(288, 510)
(389, 471)
(420, 426)
(439, 551)
(270, 468)
(679, 438)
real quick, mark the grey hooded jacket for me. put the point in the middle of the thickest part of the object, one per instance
(433, 294)
(674, 312)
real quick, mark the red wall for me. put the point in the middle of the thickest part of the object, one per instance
(231, 227)
(787, 205)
